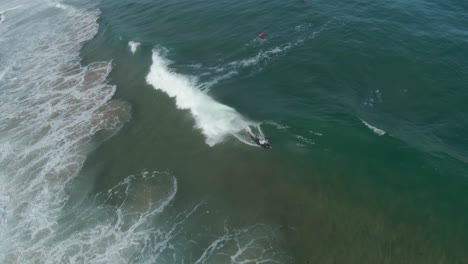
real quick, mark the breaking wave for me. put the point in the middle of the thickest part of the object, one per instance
(374, 129)
(51, 106)
(133, 46)
(215, 120)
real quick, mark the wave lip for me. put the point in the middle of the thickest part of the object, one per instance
(374, 129)
(215, 120)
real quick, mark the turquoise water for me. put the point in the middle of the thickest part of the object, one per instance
(140, 156)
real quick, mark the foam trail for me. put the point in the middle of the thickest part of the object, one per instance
(305, 140)
(122, 229)
(214, 81)
(261, 59)
(11, 9)
(249, 245)
(374, 129)
(149, 231)
(215, 120)
(63, 6)
(2, 13)
(133, 46)
(3, 73)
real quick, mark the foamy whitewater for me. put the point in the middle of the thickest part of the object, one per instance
(2, 12)
(133, 46)
(374, 129)
(215, 120)
(52, 106)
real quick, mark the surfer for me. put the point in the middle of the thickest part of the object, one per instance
(262, 141)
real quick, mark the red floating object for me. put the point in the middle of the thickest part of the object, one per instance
(261, 35)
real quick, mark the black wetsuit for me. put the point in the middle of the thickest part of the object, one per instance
(264, 145)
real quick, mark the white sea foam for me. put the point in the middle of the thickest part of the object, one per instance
(51, 107)
(248, 245)
(3, 72)
(316, 133)
(374, 129)
(303, 27)
(264, 57)
(217, 79)
(62, 6)
(133, 46)
(134, 223)
(215, 120)
(11, 9)
(305, 139)
(2, 12)
(261, 58)
(277, 125)
(120, 229)
(375, 97)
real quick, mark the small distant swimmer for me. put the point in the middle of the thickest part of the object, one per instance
(261, 35)
(262, 141)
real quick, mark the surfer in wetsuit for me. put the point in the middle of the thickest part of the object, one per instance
(262, 141)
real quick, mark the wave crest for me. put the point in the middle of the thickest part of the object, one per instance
(215, 120)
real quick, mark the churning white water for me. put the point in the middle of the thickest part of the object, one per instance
(51, 105)
(215, 120)
(51, 108)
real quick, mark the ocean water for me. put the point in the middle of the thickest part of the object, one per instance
(122, 131)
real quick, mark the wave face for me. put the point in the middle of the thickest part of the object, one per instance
(215, 120)
(51, 107)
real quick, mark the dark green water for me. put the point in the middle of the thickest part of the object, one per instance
(338, 192)
(326, 82)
